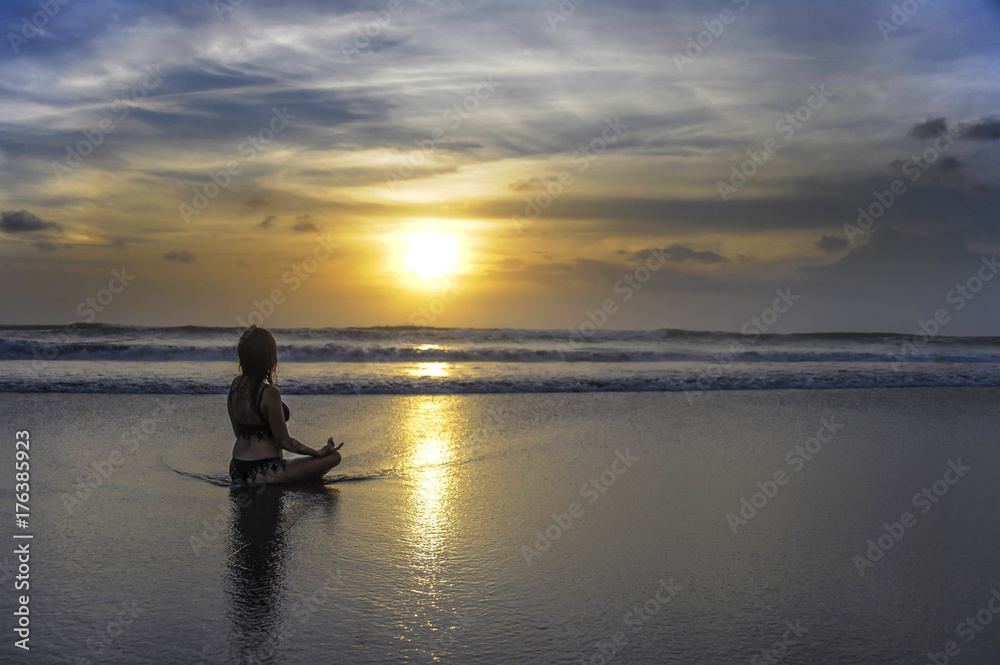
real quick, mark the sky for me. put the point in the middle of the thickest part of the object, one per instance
(501, 164)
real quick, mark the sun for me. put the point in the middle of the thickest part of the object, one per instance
(431, 253)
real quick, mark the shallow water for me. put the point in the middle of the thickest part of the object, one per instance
(425, 543)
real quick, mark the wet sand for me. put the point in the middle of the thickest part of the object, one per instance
(516, 528)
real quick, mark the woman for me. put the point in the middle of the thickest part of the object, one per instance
(258, 416)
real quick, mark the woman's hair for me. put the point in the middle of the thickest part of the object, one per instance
(258, 354)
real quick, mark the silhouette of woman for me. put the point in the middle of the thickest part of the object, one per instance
(258, 417)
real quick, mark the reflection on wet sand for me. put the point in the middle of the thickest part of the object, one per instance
(432, 427)
(260, 539)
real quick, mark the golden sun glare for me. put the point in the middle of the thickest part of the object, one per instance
(431, 253)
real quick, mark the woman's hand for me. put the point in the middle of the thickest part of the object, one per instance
(329, 448)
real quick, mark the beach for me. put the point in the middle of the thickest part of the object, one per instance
(528, 528)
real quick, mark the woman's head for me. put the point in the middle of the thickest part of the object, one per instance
(258, 354)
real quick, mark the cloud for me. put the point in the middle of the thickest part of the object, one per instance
(530, 183)
(928, 129)
(949, 164)
(49, 246)
(268, 221)
(679, 254)
(119, 243)
(182, 256)
(832, 243)
(894, 259)
(305, 227)
(22, 221)
(984, 129)
(510, 263)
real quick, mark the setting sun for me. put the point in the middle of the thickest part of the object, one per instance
(431, 254)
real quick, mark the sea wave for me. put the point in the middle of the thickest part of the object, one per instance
(334, 352)
(416, 386)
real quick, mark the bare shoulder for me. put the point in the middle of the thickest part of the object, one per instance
(271, 393)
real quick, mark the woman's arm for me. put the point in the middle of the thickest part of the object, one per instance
(271, 403)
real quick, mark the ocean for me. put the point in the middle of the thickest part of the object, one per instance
(424, 361)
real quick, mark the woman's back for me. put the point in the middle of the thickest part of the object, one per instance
(254, 439)
(244, 408)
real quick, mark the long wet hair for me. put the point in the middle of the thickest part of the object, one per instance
(258, 355)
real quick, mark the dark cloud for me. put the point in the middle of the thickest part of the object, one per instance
(305, 227)
(22, 221)
(894, 258)
(182, 256)
(530, 184)
(896, 280)
(679, 254)
(832, 243)
(49, 246)
(268, 221)
(928, 129)
(949, 164)
(984, 129)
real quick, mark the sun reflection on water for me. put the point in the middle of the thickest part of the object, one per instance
(434, 428)
(430, 369)
(430, 430)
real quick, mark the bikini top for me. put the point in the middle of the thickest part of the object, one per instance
(245, 429)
